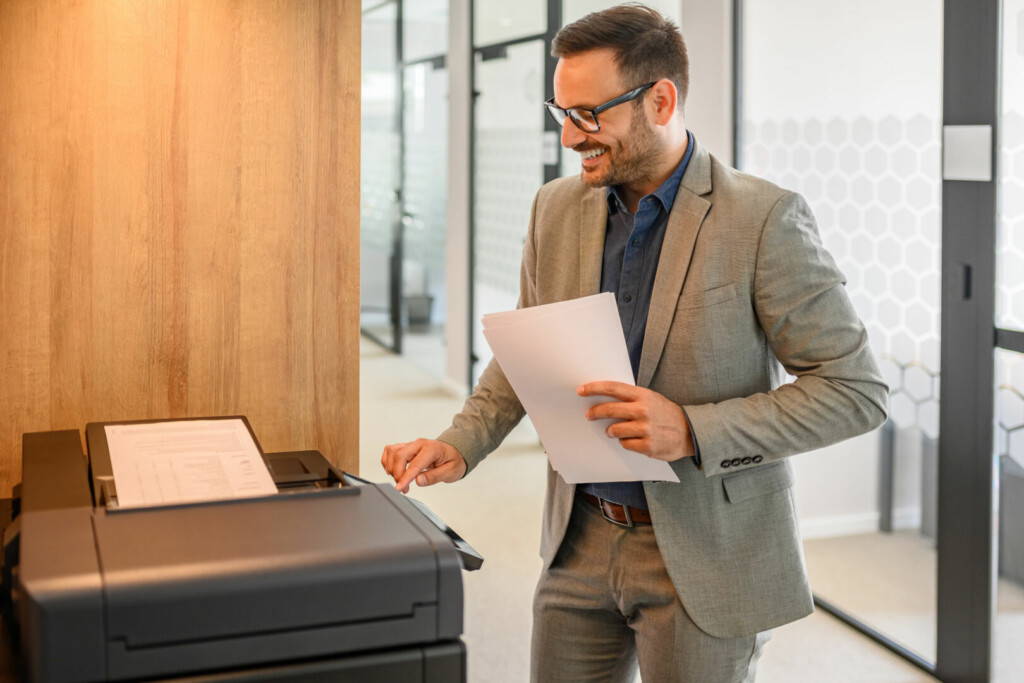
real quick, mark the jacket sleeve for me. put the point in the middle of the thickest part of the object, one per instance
(811, 327)
(493, 409)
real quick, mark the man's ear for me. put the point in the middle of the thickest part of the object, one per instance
(663, 98)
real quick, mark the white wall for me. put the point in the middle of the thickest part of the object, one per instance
(457, 244)
(707, 28)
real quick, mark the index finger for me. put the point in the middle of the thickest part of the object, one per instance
(420, 463)
(397, 455)
(619, 390)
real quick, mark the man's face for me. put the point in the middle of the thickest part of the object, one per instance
(627, 146)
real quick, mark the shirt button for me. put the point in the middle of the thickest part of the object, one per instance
(627, 298)
(635, 242)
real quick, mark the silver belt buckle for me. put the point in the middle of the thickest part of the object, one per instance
(625, 509)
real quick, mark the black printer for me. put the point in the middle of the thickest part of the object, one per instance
(332, 579)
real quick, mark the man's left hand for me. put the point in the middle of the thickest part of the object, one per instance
(649, 423)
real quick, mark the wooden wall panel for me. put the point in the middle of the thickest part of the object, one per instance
(179, 209)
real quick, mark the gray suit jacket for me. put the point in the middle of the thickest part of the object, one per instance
(743, 283)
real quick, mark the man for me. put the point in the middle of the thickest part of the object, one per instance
(719, 277)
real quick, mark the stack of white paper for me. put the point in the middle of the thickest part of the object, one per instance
(546, 352)
(185, 461)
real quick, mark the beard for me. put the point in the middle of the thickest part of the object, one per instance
(636, 161)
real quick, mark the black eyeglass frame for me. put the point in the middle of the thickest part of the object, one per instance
(556, 111)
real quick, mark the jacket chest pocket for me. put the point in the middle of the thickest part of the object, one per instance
(702, 331)
(708, 297)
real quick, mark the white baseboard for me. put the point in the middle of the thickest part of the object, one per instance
(906, 518)
(838, 525)
(860, 523)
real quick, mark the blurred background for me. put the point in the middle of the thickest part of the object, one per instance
(844, 105)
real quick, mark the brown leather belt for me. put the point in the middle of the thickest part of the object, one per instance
(623, 515)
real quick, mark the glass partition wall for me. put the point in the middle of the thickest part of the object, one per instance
(1009, 374)
(919, 526)
(857, 132)
(425, 131)
(508, 169)
(379, 175)
(511, 79)
(404, 150)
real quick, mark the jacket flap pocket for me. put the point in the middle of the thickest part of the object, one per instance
(757, 481)
(708, 297)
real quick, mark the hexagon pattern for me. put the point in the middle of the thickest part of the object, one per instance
(1010, 286)
(1010, 404)
(377, 185)
(508, 173)
(1010, 240)
(874, 186)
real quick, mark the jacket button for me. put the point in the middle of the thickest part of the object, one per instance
(758, 458)
(747, 460)
(726, 463)
(736, 461)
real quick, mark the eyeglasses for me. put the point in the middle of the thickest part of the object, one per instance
(586, 119)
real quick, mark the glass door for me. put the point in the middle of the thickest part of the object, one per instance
(511, 156)
(890, 132)
(404, 193)
(1009, 373)
(508, 170)
(857, 131)
(380, 177)
(424, 29)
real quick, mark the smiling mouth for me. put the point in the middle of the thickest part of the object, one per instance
(589, 156)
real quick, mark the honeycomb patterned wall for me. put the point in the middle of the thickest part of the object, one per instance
(874, 186)
(425, 183)
(508, 174)
(1010, 405)
(426, 199)
(378, 213)
(1010, 286)
(1010, 249)
(377, 187)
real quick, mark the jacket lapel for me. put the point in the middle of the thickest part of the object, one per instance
(593, 223)
(684, 222)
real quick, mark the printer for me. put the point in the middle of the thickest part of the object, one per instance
(332, 578)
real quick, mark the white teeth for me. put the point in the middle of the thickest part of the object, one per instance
(590, 154)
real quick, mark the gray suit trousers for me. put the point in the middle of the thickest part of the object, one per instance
(606, 607)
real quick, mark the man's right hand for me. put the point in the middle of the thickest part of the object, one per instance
(426, 460)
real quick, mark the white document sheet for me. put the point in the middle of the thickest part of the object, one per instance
(546, 352)
(186, 461)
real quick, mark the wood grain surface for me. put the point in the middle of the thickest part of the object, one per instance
(179, 217)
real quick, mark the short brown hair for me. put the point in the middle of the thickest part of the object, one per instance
(647, 46)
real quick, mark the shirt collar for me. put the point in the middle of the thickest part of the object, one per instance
(666, 192)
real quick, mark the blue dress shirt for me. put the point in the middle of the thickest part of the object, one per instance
(632, 245)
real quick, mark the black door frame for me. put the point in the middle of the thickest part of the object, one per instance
(967, 565)
(966, 539)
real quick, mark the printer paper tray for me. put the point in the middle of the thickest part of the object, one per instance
(440, 662)
(137, 662)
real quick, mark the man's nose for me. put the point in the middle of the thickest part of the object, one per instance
(571, 135)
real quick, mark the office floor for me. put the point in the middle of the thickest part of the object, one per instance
(888, 581)
(498, 509)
